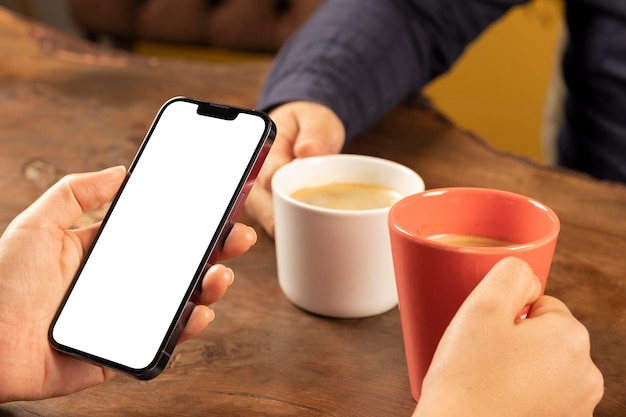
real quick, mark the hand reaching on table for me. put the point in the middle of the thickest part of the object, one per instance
(39, 256)
(487, 364)
(303, 129)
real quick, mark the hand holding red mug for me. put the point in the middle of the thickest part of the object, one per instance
(437, 261)
(488, 363)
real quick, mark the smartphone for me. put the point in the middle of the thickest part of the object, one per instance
(137, 285)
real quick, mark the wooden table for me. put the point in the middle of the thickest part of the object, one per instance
(67, 106)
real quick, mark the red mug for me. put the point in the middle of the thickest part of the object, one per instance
(434, 277)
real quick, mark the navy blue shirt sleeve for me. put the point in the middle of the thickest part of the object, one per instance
(362, 57)
(593, 136)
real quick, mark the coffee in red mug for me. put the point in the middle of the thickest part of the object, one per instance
(438, 260)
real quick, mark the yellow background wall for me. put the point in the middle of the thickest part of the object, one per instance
(498, 88)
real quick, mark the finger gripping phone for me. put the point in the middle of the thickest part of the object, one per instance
(134, 292)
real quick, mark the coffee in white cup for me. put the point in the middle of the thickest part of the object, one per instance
(336, 261)
(348, 196)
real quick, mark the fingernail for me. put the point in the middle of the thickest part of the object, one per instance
(253, 232)
(538, 285)
(232, 276)
(120, 168)
(212, 313)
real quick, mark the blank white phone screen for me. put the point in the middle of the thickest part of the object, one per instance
(155, 239)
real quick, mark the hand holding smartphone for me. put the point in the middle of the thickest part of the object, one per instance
(136, 288)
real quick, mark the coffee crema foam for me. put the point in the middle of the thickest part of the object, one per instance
(471, 240)
(348, 196)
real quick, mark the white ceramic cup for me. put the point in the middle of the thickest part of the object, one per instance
(334, 262)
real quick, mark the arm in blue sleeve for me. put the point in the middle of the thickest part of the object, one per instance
(593, 136)
(362, 57)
